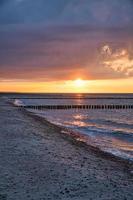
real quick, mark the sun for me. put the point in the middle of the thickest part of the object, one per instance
(79, 83)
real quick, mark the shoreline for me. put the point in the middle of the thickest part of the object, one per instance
(40, 162)
(78, 139)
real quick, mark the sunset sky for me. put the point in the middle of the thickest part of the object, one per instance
(46, 45)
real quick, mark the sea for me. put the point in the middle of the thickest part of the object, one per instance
(110, 130)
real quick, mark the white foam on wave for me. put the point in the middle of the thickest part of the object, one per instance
(18, 102)
(119, 153)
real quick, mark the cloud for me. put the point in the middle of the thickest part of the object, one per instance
(61, 39)
(119, 60)
(99, 13)
(30, 11)
(105, 13)
(64, 52)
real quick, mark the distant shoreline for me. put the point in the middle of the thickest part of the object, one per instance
(37, 93)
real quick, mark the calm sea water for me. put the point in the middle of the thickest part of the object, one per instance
(110, 130)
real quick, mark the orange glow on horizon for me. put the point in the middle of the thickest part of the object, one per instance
(70, 86)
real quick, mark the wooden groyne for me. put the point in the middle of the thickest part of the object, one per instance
(65, 107)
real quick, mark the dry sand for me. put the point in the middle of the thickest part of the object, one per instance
(37, 162)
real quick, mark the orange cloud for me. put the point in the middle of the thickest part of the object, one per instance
(119, 61)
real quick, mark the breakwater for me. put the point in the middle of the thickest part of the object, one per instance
(65, 107)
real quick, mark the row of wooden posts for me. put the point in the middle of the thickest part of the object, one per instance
(65, 107)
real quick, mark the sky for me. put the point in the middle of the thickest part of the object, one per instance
(46, 45)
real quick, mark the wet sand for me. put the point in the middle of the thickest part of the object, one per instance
(38, 162)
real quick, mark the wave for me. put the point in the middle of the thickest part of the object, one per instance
(18, 102)
(110, 131)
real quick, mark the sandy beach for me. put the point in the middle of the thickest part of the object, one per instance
(38, 162)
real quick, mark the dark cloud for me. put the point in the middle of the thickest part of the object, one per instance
(40, 54)
(31, 11)
(92, 12)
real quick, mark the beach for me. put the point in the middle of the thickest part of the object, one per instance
(39, 162)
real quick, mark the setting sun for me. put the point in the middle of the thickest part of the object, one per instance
(79, 83)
